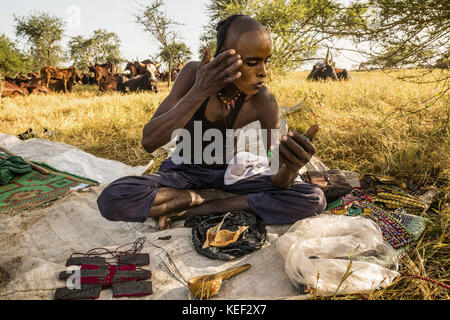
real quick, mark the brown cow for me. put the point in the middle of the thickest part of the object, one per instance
(165, 75)
(133, 71)
(35, 78)
(87, 78)
(101, 71)
(37, 88)
(57, 85)
(10, 89)
(65, 75)
(110, 82)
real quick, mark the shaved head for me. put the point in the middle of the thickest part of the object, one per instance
(231, 29)
(241, 26)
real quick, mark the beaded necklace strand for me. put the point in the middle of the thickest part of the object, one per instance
(229, 103)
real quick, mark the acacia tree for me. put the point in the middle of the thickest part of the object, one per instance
(180, 53)
(155, 21)
(43, 33)
(12, 60)
(407, 33)
(101, 47)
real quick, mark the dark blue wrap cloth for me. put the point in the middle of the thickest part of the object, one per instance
(130, 198)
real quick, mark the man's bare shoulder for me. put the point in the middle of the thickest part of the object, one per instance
(189, 70)
(264, 101)
(183, 82)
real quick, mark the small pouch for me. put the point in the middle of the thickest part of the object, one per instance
(143, 275)
(87, 291)
(132, 289)
(107, 275)
(139, 259)
(87, 273)
(332, 182)
(78, 261)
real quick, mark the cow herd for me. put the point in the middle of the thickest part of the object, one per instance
(142, 76)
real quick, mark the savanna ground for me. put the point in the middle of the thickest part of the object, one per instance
(374, 123)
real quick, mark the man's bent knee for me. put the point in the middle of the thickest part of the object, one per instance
(125, 202)
(318, 200)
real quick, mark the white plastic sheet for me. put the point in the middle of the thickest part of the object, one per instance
(35, 244)
(68, 158)
(337, 255)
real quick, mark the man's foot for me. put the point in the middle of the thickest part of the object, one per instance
(164, 223)
(201, 196)
(217, 206)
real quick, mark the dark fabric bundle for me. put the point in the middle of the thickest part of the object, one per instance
(10, 167)
(332, 182)
(250, 240)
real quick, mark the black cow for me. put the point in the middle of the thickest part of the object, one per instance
(143, 82)
(327, 70)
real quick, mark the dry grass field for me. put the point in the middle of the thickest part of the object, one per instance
(371, 124)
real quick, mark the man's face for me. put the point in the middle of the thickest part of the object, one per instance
(254, 47)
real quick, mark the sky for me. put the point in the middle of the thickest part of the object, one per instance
(85, 16)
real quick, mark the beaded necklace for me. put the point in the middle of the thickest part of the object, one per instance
(229, 103)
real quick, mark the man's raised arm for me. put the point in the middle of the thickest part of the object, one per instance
(195, 82)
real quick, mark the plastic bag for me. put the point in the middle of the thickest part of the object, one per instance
(253, 238)
(337, 255)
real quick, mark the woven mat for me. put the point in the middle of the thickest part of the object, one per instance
(34, 188)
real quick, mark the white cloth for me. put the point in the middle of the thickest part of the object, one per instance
(244, 165)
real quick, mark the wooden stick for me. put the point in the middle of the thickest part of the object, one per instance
(34, 166)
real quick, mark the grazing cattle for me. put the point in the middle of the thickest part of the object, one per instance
(101, 71)
(48, 73)
(22, 82)
(143, 82)
(342, 74)
(327, 70)
(10, 89)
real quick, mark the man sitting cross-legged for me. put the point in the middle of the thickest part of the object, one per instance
(222, 94)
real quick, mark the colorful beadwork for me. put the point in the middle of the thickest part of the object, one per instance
(394, 201)
(229, 103)
(390, 193)
(393, 232)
